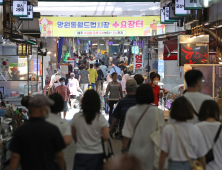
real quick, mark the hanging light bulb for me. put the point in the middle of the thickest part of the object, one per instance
(206, 3)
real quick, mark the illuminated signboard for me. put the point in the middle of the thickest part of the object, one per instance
(20, 9)
(99, 26)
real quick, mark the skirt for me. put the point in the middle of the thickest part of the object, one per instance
(88, 161)
(177, 165)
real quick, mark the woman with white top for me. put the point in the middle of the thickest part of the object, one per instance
(210, 116)
(190, 134)
(141, 144)
(88, 127)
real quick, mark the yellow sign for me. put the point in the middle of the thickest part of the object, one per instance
(100, 26)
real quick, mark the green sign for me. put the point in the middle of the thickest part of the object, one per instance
(13, 65)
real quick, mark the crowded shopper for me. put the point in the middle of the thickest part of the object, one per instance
(140, 124)
(117, 70)
(104, 69)
(210, 127)
(106, 60)
(123, 162)
(115, 58)
(70, 68)
(84, 78)
(38, 144)
(55, 119)
(88, 127)
(73, 86)
(76, 72)
(139, 79)
(119, 113)
(123, 83)
(194, 81)
(91, 61)
(81, 62)
(55, 83)
(99, 79)
(181, 139)
(115, 90)
(156, 89)
(93, 76)
(64, 91)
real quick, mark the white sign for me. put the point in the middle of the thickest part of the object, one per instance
(20, 9)
(172, 12)
(30, 13)
(167, 13)
(138, 62)
(179, 8)
(1, 2)
(192, 4)
(64, 69)
(162, 15)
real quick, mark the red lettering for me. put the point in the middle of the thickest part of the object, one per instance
(189, 54)
(138, 66)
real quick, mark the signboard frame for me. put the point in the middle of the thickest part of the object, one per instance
(17, 7)
(190, 6)
(162, 17)
(29, 16)
(180, 4)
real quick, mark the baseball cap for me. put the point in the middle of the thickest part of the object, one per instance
(115, 53)
(40, 100)
(131, 85)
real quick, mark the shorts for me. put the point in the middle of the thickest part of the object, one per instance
(66, 106)
(72, 96)
(98, 83)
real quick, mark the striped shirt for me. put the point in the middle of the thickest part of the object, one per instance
(122, 108)
(115, 90)
(84, 76)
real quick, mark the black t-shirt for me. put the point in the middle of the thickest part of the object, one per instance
(37, 142)
(100, 74)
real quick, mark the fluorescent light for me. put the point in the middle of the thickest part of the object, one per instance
(115, 44)
(94, 44)
(101, 44)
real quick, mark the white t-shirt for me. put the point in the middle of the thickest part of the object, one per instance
(63, 125)
(192, 139)
(92, 62)
(141, 145)
(209, 130)
(89, 137)
(196, 99)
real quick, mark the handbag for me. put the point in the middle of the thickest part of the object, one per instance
(119, 76)
(210, 154)
(107, 151)
(155, 137)
(195, 165)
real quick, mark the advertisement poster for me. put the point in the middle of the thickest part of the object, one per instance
(100, 26)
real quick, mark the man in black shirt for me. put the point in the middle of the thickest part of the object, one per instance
(38, 144)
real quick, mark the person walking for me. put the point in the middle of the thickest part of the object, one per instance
(53, 118)
(182, 134)
(115, 58)
(76, 72)
(104, 69)
(140, 124)
(93, 76)
(106, 60)
(117, 70)
(99, 79)
(73, 85)
(139, 79)
(127, 102)
(123, 83)
(115, 90)
(88, 127)
(84, 78)
(64, 91)
(37, 144)
(156, 89)
(194, 81)
(210, 127)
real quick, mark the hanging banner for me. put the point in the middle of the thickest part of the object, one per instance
(30, 14)
(172, 12)
(167, 15)
(20, 9)
(99, 26)
(162, 17)
(179, 8)
(192, 4)
(138, 62)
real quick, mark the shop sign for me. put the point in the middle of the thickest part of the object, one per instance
(138, 61)
(193, 54)
(30, 14)
(99, 26)
(20, 9)
(172, 12)
(167, 15)
(179, 8)
(162, 17)
(192, 4)
(1, 2)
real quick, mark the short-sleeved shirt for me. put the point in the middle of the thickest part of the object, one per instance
(192, 139)
(63, 126)
(63, 91)
(115, 90)
(122, 107)
(84, 76)
(93, 74)
(104, 69)
(73, 85)
(100, 74)
(37, 142)
(92, 62)
(106, 60)
(156, 92)
(117, 70)
(115, 59)
(89, 135)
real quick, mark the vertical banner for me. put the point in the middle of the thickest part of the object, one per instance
(20, 9)
(138, 62)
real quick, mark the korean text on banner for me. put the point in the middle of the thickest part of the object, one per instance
(138, 62)
(99, 26)
(64, 69)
